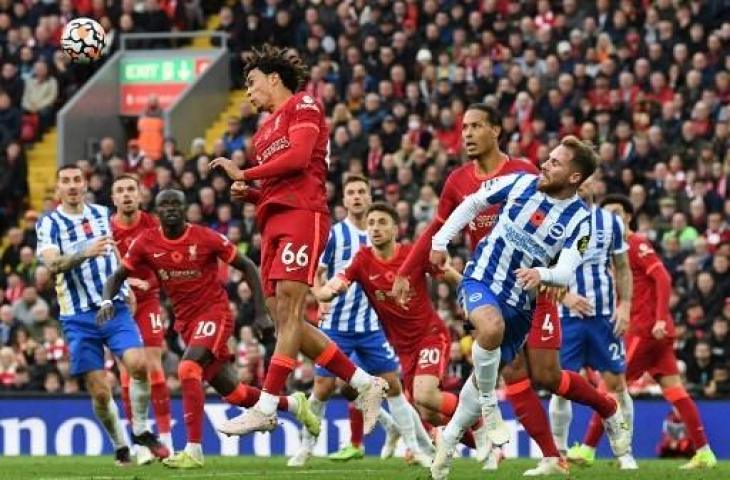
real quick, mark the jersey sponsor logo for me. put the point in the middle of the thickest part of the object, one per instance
(557, 231)
(483, 221)
(525, 242)
(166, 275)
(583, 244)
(276, 146)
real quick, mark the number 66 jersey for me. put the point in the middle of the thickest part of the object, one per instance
(187, 268)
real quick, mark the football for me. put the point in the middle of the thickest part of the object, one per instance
(83, 39)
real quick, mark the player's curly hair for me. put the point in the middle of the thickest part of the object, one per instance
(282, 61)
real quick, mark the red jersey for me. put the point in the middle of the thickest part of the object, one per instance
(652, 285)
(404, 327)
(466, 180)
(289, 176)
(187, 268)
(124, 236)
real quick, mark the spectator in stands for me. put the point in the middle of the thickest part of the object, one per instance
(27, 266)
(10, 119)
(11, 83)
(54, 344)
(8, 324)
(11, 256)
(40, 94)
(700, 368)
(151, 128)
(22, 307)
(53, 382)
(8, 367)
(23, 345)
(233, 137)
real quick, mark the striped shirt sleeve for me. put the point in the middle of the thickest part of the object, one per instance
(619, 243)
(48, 235)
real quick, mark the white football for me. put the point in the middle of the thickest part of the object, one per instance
(83, 39)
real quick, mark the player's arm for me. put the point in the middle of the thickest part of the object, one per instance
(251, 272)
(622, 273)
(112, 285)
(492, 192)
(568, 260)
(652, 265)
(339, 284)
(243, 193)
(57, 263)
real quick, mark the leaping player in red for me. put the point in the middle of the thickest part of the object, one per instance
(185, 259)
(292, 214)
(128, 222)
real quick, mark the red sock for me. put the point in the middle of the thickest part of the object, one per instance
(160, 399)
(594, 431)
(449, 401)
(193, 399)
(336, 362)
(279, 370)
(356, 425)
(126, 402)
(530, 413)
(246, 396)
(690, 416)
(468, 439)
(574, 387)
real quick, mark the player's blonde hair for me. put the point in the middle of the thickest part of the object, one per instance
(584, 158)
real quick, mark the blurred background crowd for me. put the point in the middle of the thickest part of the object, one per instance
(648, 82)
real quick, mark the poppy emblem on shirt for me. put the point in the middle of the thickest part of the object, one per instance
(537, 218)
(87, 227)
(177, 257)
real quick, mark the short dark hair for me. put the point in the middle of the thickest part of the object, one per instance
(126, 176)
(584, 155)
(384, 208)
(63, 168)
(354, 177)
(288, 66)
(494, 118)
(617, 198)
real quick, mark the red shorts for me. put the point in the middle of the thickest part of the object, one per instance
(149, 322)
(545, 330)
(292, 242)
(430, 357)
(210, 332)
(650, 355)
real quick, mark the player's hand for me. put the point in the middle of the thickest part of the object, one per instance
(233, 172)
(325, 294)
(553, 292)
(101, 246)
(528, 278)
(659, 330)
(438, 259)
(401, 290)
(139, 284)
(105, 313)
(238, 191)
(621, 319)
(578, 304)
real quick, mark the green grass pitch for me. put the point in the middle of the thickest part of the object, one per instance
(102, 468)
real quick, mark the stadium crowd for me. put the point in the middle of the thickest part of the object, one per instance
(648, 82)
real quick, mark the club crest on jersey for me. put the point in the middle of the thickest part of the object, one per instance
(193, 251)
(557, 231)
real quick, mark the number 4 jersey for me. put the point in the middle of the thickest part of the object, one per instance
(187, 268)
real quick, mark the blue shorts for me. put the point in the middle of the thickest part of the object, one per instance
(475, 294)
(590, 342)
(86, 340)
(370, 351)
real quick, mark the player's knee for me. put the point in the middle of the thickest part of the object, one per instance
(489, 327)
(189, 370)
(100, 395)
(394, 387)
(424, 398)
(547, 377)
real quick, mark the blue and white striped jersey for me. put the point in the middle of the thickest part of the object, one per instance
(593, 279)
(531, 231)
(350, 313)
(79, 289)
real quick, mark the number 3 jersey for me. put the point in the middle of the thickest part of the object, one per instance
(187, 268)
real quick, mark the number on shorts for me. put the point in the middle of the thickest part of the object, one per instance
(205, 329)
(547, 325)
(388, 349)
(300, 258)
(617, 350)
(155, 321)
(429, 356)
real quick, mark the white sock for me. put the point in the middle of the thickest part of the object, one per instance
(166, 439)
(561, 414)
(486, 368)
(194, 449)
(425, 444)
(403, 419)
(627, 409)
(386, 420)
(360, 379)
(267, 403)
(468, 411)
(108, 415)
(139, 396)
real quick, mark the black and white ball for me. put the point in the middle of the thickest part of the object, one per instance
(83, 39)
